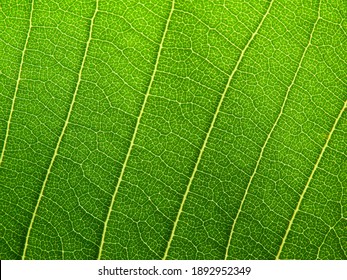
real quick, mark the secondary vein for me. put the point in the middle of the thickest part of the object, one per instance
(135, 131)
(310, 179)
(63, 130)
(211, 128)
(17, 84)
(271, 132)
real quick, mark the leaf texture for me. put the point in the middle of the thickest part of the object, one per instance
(173, 129)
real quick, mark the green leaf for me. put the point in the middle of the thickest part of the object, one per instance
(202, 129)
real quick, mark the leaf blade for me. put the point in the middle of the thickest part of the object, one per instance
(181, 177)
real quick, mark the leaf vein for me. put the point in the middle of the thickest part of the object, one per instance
(17, 84)
(310, 178)
(62, 132)
(212, 126)
(135, 131)
(270, 134)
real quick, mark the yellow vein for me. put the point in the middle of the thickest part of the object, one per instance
(310, 179)
(210, 129)
(63, 130)
(17, 83)
(135, 131)
(269, 135)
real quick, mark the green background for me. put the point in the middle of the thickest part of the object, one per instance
(178, 130)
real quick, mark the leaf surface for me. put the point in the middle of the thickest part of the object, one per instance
(173, 129)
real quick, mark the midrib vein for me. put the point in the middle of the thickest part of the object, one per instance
(17, 84)
(63, 130)
(344, 107)
(270, 134)
(135, 130)
(211, 128)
